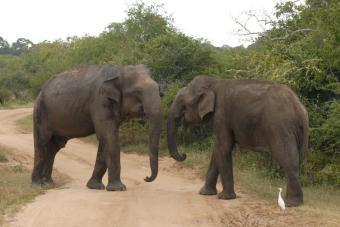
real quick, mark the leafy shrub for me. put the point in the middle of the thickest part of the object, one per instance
(177, 57)
(133, 132)
(5, 96)
(327, 136)
(170, 95)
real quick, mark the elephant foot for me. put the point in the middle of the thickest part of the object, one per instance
(42, 181)
(225, 195)
(206, 190)
(116, 186)
(36, 179)
(48, 181)
(95, 184)
(36, 182)
(293, 202)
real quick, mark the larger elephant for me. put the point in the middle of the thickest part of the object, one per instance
(258, 115)
(94, 99)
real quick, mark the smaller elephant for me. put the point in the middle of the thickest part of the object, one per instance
(258, 115)
(95, 99)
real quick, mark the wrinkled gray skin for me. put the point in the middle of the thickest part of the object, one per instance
(94, 99)
(256, 115)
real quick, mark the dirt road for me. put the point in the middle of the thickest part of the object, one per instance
(171, 200)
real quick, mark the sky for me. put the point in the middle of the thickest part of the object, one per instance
(40, 20)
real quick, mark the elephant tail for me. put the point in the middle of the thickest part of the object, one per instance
(303, 138)
(36, 118)
(39, 134)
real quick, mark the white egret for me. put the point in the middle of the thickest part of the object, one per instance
(280, 201)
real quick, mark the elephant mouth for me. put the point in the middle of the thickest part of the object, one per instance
(207, 118)
(135, 113)
(186, 124)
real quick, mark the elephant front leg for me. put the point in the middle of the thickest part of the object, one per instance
(209, 187)
(223, 159)
(112, 159)
(100, 167)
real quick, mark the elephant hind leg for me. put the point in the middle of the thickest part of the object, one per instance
(40, 156)
(287, 155)
(54, 145)
(45, 149)
(41, 141)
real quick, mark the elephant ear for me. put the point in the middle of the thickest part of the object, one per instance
(109, 87)
(206, 103)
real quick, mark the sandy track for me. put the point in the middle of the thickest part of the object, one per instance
(171, 200)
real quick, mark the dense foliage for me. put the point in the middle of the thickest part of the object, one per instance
(302, 50)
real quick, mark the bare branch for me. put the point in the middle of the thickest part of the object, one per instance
(250, 33)
(304, 30)
(263, 22)
(260, 24)
(242, 25)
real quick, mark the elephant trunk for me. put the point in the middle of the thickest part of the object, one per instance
(153, 111)
(171, 134)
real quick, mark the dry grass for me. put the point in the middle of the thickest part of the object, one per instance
(15, 184)
(321, 201)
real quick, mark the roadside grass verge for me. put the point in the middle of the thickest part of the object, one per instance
(25, 124)
(15, 184)
(15, 105)
(319, 200)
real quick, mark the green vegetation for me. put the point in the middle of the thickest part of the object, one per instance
(15, 184)
(301, 49)
(26, 124)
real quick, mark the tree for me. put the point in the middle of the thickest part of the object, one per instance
(20, 46)
(4, 46)
(177, 57)
(126, 41)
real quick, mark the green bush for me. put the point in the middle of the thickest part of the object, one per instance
(133, 132)
(177, 57)
(170, 95)
(5, 96)
(327, 136)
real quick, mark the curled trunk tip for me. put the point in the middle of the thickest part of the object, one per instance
(151, 178)
(178, 156)
(171, 136)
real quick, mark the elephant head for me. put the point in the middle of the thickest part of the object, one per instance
(193, 104)
(138, 96)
